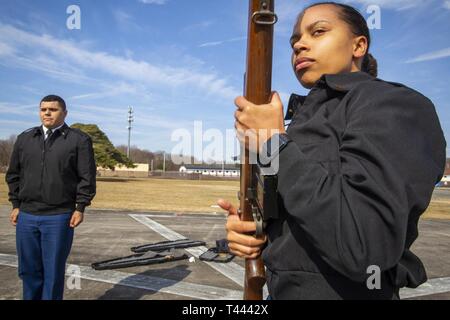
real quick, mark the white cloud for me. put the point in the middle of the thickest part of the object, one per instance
(121, 16)
(201, 25)
(6, 49)
(18, 123)
(67, 59)
(117, 116)
(125, 20)
(447, 4)
(444, 53)
(153, 1)
(114, 82)
(18, 109)
(109, 91)
(217, 43)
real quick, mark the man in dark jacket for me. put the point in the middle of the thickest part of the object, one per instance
(51, 179)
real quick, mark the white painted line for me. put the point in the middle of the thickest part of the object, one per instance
(231, 270)
(432, 286)
(213, 229)
(9, 260)
(209, 216)
(181, 288)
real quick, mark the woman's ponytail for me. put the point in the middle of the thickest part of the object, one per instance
(370, 65)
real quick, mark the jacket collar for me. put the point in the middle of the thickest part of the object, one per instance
(342, 82)
(295, 101)
(64, 130)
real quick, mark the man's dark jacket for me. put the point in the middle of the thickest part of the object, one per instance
(54, 176)
(360, 170)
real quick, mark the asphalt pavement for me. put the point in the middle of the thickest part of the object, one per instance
(107, 234)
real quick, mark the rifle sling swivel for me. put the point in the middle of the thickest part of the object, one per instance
(264, 16)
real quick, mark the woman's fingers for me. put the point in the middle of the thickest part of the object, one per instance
(244, 252)
(244, 239)
(240, 226)
(244, 246)
(240, 243)
(241, 103)
(227, 206)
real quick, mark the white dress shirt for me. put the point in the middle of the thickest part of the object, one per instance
(46, 130)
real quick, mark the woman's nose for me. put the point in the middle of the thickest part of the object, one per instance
(300, 46)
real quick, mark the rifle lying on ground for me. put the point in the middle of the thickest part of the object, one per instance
(140, 259)
(257, 194)
(152, 253)
(167, 245)
(166, 251)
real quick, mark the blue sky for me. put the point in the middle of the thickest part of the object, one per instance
(177, 61)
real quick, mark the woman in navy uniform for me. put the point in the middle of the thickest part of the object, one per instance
(357, 168)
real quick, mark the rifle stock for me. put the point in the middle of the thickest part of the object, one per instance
(257, 89)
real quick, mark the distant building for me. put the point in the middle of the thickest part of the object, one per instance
(211, 170)
(140, 171)
(445, 181)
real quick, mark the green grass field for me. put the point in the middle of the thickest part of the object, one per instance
(181, 196)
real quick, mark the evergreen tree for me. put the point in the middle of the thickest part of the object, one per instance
(106, 155)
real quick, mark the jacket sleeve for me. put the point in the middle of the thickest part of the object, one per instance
(13, 176)
(391, 155)
(86, 170)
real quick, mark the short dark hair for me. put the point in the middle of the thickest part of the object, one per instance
(358, 26)
(53, 97)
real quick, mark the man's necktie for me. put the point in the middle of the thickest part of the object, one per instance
(49, 133)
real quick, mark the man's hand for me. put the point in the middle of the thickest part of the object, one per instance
(258, 122)
(13, 216)
(239, 242)
(77, 218)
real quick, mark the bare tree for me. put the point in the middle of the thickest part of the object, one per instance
(137, 155)
(144, 156)
(6, 148)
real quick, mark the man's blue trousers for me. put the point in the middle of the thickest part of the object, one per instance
(43, 244)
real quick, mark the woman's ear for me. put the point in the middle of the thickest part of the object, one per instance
(359, 47)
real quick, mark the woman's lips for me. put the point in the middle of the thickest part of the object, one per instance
(303, 64)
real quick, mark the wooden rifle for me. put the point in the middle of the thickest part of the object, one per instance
(257, 195)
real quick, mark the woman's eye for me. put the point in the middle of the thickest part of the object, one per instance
(318, 32)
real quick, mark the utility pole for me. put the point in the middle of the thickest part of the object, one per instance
(130, 120)
(164, 162)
